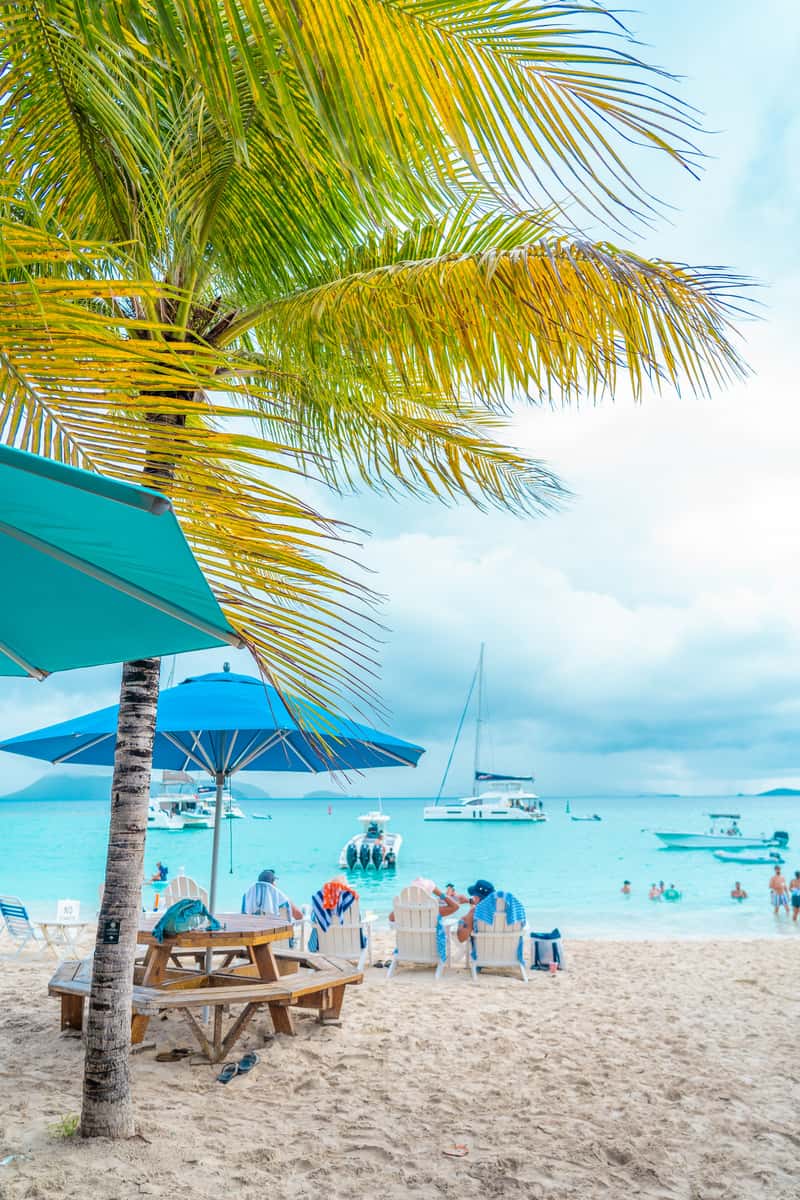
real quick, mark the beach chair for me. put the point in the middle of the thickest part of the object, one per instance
(182, 887)
(420, 936)
(347, 936)
(18, 924)
(497, 942)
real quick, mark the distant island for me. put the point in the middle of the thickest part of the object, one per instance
(780, 792)
(67, 786)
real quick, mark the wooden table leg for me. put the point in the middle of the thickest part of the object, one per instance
(331, 1013)
(155, 967)
(269, 973)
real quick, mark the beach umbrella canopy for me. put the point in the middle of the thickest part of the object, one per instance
(224, 723)
(94, 571)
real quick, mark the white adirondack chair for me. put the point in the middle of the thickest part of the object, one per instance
(182, 887)
(344, 940)
(18, 924)
(416, 914)
(496, 945)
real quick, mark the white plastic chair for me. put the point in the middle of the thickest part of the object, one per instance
(416, 916)
(182, 887)
(344, 940)
(18, 924)
(496, 945)
(68, 911)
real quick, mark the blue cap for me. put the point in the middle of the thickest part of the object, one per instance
(481, 888)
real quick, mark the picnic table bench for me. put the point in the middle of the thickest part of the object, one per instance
(311, 982)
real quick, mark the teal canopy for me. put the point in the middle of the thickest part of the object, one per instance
(94, 571)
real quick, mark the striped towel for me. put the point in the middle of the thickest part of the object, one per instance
(321, 916)
(486, 910)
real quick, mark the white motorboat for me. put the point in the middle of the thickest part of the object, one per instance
(230, 809)
(163, 818)
(179, 800)
(506, 800)
(723, 834)
(373, 846)
(593, 817)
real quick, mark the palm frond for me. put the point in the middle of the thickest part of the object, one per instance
(546, 320)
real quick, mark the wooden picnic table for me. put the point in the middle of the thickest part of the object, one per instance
(253, 936)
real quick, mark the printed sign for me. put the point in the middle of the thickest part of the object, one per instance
(111, 933)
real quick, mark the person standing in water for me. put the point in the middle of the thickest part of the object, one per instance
(738, 892)
(794, 888)
(626, 887)
(779, 892)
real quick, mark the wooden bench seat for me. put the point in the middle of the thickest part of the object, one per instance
(321, 987)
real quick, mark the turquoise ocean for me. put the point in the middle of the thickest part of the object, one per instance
(567, 874)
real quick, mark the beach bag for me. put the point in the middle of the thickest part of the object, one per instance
(182, 917)
(547, 949)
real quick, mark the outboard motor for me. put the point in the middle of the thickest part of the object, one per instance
(781, 837)
(364, 855)
(351, 855)
(377, 856)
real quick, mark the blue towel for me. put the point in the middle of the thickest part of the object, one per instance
(485, 911)
(441, 940)
(264, 898)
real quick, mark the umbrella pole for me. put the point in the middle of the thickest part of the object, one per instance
(212, 891)
(218, 815)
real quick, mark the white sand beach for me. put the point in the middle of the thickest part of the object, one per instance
(649, 1069)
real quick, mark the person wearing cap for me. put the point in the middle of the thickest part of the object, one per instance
(269, 876)
(479, 890)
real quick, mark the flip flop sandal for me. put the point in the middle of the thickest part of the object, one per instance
(247, 1063)
(173, 1055)
(228, 1072)
(457, 1151)
(379, 963)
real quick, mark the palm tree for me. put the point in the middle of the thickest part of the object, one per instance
(251, 240)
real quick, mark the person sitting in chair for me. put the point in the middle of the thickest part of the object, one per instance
(270, 899)
(479, 890)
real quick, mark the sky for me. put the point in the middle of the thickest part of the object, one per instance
(647, 637)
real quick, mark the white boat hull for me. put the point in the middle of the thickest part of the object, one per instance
(482, 812)
(771, 859)
(713, 841)
(163, 821)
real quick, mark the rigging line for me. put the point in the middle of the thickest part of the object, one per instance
(458, 735)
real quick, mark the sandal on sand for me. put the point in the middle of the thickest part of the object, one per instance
(247, 1063)
(457, 1151)
(173, 1055)
(228, 1072)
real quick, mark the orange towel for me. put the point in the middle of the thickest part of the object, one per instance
(332, 891)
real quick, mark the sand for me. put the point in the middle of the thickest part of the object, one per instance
(650, 1069)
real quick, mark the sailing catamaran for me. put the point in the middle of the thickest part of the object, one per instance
(506, 799)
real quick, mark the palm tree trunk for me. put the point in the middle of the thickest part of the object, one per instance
(107, 1106)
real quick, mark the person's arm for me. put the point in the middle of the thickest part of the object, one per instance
(447, 906)
(297, 913)
(464, 930)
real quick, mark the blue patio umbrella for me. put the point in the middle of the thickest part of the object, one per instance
(94, 571)
(223, 723)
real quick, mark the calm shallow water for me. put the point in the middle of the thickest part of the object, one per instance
(566, 873)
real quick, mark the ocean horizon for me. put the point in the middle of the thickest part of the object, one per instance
(567, 874)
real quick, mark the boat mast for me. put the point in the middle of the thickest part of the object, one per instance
(478, 722)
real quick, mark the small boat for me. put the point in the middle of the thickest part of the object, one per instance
(163, 818)
(506, 800)
(723, 834)
(773, 858)
(179, 800)
(261, 816)
(230, 809)
(593, 817)
(373, 847)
